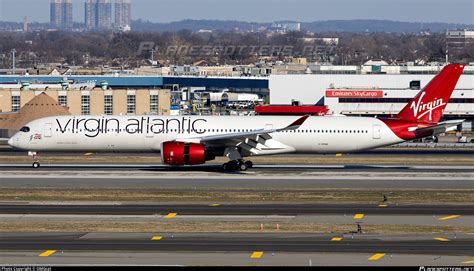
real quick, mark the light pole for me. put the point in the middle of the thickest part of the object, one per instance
(447, 54)
(13, 61)
(152, 57)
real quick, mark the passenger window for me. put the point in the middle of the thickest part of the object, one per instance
(25, 129)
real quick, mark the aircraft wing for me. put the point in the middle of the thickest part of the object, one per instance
(439, 128)
(238, 138)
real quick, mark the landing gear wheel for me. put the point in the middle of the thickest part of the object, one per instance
(36, 165)
(231, 166)
(243, 166)
(249, 164)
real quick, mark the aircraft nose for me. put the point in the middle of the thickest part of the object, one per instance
(10, 142)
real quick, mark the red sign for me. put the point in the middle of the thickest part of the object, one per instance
(354, 93)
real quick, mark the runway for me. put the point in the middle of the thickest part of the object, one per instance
(239, 209)
(280, 177)
(280, 168)
(154, 260)
(236, 243)
(179, 237)
(226, 184)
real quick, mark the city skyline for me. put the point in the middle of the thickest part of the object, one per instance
(455, 11)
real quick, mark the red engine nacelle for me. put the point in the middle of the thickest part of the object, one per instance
(179, 154)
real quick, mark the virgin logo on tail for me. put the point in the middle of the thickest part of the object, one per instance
(420, 109)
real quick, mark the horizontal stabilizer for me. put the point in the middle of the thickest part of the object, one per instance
(440, 128)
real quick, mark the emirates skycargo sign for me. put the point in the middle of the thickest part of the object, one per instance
(334, 93)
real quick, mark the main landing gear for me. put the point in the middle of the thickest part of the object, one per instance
(237, 165)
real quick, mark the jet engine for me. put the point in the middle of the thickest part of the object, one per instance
(179, 153)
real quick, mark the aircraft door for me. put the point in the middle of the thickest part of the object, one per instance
(376, 132)
(48, 130)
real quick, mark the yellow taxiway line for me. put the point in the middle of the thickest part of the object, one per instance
(376, 257)
(256, 255)
(47, 253)
(170, 215)
(448, 217)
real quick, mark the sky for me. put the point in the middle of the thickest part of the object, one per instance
(449, 11)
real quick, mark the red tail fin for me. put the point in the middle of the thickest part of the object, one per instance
(429, 104)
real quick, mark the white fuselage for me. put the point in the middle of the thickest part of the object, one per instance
(147, 133)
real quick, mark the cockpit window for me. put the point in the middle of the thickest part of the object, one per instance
(25, 129)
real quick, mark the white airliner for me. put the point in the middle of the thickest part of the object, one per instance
(193, 140)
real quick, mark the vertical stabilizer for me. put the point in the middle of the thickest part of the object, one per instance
(429, 104)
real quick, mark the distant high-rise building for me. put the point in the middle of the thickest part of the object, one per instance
(25, 24)
(90, 14)
(55, 13)
(98, 14)
(104, 14)
(123, 14)
(61, 14)
(67, 19)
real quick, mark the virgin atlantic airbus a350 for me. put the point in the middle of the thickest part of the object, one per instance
(193, 140)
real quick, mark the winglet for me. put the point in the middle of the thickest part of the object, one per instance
(296, 124)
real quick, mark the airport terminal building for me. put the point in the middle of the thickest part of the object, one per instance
(368, 94)
(117, 95)
(94, 101)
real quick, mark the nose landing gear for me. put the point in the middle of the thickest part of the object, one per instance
(36, 162)
(237, 165)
